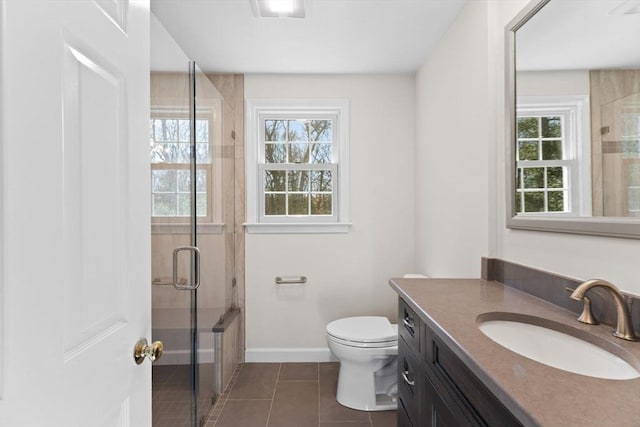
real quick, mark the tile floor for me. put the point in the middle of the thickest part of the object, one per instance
(171, 394)
(263, 395)
(289, 394)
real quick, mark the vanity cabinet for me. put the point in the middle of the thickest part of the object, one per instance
(435, 388)
(410, 366)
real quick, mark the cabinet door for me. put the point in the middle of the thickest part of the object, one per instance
(441, 410)
(451, 376)
(403, 415)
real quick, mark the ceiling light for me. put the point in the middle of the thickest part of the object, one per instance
(278, 8)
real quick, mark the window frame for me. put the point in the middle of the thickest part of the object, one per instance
(574, 110)
(259, 110)
(210, 223)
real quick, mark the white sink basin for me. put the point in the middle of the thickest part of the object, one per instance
(557, 349)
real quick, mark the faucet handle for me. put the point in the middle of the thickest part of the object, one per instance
(587, 315)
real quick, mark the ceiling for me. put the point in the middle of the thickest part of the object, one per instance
(577, 35)
(337, 36)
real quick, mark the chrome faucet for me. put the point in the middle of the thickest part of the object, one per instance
(624, 328)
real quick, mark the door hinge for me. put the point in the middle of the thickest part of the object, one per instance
(604, 130)
(233, 134)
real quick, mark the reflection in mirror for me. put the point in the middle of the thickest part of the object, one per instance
(574, 71)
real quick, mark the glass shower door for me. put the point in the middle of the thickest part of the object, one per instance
(213, 231)
(620, 135)
(192, 184)
(172, 110)
(179, 145)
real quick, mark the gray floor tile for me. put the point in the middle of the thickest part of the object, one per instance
(295, 404)
(298, 372)
(344, 424)
(384, 419)
(287, 394)
(256, 381)
(244, 413)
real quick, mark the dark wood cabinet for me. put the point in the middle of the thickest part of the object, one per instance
(441, 411)
(435, 388)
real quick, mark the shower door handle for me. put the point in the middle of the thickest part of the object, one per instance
(196, 269)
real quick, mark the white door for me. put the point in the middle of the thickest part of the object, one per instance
(75, 286)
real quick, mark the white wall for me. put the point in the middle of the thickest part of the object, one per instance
(544, 83)
(348, 273)
(452, 175)
(582, 257)
(459, 87)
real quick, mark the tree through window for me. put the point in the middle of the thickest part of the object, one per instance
(297, 165)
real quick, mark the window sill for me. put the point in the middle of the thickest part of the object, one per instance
(298, 228)
(168, 228)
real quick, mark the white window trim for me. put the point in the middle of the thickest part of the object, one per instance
(577, 106)
(210, 224)
(255, 108)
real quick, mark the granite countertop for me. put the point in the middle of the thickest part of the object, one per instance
(538, 395)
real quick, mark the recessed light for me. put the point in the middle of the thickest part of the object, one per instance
(281, 6)
(278, 8)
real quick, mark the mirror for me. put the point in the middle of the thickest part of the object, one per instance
(573, 105)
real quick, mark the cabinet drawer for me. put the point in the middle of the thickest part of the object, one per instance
(409, 326)
(409, 379)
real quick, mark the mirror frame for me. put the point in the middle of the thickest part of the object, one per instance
(595, 226)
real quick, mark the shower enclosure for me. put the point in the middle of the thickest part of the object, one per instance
(193, 238)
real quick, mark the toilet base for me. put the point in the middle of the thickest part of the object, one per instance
(357, 389)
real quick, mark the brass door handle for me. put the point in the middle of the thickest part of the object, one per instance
(142, 349)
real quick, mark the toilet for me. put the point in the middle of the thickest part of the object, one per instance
(367, 348)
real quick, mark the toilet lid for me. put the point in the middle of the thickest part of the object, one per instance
(366, 329)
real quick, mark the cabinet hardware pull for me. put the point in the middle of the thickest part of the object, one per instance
(405, 377)
(409, 323)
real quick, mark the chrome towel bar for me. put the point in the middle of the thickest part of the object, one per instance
(165, 281)
(292, 280)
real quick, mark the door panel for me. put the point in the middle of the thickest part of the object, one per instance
(75, 93)
(94, 265)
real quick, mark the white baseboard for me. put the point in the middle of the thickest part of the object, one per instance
(277, 355)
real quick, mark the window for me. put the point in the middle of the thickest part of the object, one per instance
(549, 147)
(297, 157)
(171, 167)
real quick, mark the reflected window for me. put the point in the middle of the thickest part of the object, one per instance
(548, 156)
(542, 177)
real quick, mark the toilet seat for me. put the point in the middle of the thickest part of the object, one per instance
(363, 331)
